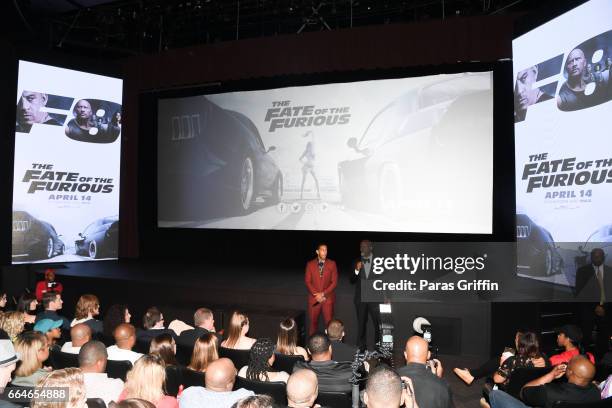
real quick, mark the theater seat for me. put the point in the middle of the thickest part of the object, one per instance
(283, 362)
(277, 390)
(334, 399)
(522, 376)
(173, 380)
(61, 360)
(606, 403)
(240, 358)
(118, 369)
(183, 354)
(190, 378)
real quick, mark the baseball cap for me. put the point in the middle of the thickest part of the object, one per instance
(45, 325)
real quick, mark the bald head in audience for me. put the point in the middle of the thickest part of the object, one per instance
(220, 375)
(93, 357)
(417, 350)
(80, 334)
(302, 389)
(383, 389)
(580, 371)
(125, 336)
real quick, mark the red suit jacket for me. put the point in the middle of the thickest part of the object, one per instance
(315, 283)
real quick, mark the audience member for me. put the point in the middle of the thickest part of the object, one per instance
(165, 347)
(237, 334)
(340, 351)
(8, 361)
(79, 335)
(570, 338)
(125, 338)
(261, 358)
(51, 329)
(146, 380)
(527, 355)
(132, 403)
(302, 389)
(153, 323)
(383, 389)
(332, 375)
(12, 323)
(220, 378)
(27, 305)
(69, 379)
(204, 352)
(92, 361)
(115, 315)
(52, 302)
(286, 342)
(204, 323)
(49, 285)
(255, 401)
(33, 351)
(543, 392)
(468, 375)
(87, 308)
(430, 389)
(3, 300)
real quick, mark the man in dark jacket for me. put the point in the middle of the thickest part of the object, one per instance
(332, 375)
(430, 389)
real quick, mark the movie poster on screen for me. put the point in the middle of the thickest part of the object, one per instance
(66, 167)
(563, 93)
(408, 154)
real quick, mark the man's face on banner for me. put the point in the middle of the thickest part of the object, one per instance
(83, 109)
(28, 109)
(576, 63)
(525, 94)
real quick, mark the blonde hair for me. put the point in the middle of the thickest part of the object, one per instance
(286, 343)
(87, 304)
(237, 322)
(28, 344)
(146, 379)
(204, 352)
(12, 323)
(70, 379)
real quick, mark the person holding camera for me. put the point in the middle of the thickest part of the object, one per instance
(48, 285)
(430, 389)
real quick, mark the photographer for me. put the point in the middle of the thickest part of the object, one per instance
(48, 285)
(430, 389)
(385, 389)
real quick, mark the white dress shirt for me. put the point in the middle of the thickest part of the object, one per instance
(98, 385)
(115, 353)
(68, 348)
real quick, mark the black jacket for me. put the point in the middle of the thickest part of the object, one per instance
(342, 351)
(189, 337)
(430, 390)
(332, 375)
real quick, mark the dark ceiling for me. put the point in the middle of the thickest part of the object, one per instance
(117, 29)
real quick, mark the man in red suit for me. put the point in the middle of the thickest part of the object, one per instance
(321, 280)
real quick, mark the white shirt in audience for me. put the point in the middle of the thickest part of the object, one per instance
(115, 353)
(68, 348)
(200, 397)
(98, 385)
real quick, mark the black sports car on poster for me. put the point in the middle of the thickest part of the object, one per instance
(34, 239)
(99, 239)
(212, 162)
(537, 254)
